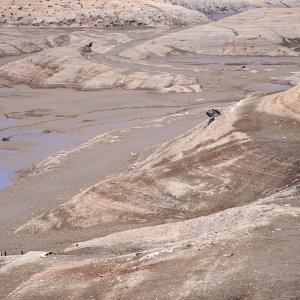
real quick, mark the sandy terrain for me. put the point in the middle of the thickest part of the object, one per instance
(108, 160)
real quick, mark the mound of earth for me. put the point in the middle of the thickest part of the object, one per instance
(249, 151)
(93, 13)
(259, 32)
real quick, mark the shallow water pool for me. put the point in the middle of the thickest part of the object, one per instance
(6, 177)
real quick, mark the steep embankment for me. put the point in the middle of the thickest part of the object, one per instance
(244, 154)
(259, 32)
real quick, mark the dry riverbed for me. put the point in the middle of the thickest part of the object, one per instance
(106, 160)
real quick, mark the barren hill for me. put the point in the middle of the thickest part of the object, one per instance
(97, 13)
(106, 13)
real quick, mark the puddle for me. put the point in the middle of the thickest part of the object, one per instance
(5, 90)
(219, 16)
(6, 177)
(113, 124)
(273, 87)
(6, 122)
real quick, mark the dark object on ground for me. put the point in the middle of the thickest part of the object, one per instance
(243, 67)
(212, 114)
(87, 48)
(6, 139)
(47, 254)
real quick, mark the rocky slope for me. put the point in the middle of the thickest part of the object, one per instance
(275, 32)
(93, 13)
